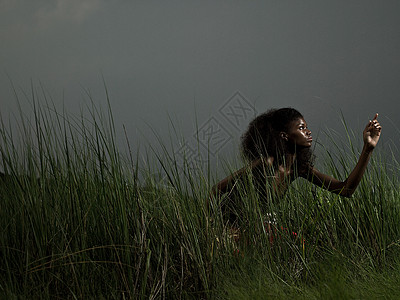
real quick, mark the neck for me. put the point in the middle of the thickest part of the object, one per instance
(288, 162)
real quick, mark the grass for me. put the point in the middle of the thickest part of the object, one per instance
(79, 219)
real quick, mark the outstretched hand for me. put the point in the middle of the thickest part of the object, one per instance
(372, 133)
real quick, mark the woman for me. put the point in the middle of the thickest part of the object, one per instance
(277, 145)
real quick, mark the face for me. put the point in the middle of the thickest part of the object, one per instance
(299, 134)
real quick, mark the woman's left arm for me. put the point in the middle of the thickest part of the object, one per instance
(346, 188)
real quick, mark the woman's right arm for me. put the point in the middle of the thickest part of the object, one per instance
(346, 188)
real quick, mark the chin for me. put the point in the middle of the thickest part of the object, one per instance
(308, 143)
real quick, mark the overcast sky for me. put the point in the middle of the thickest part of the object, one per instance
(219, 62)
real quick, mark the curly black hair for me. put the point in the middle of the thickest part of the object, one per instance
(262, 138)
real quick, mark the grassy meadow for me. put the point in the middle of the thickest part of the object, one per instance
(80, 219)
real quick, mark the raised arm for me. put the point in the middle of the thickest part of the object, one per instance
(346, 188)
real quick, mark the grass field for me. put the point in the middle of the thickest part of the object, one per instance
(79, 219)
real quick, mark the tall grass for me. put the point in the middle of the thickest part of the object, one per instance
(80, 219)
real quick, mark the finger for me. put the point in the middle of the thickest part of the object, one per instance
(373, 123)
(375, 127)
(376, 124)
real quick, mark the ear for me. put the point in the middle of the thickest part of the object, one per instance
(284, 136)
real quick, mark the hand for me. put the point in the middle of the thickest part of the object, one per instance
(372, 133)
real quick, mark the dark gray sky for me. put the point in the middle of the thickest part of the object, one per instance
(192, 59)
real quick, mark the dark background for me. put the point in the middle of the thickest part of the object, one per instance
(214, 63)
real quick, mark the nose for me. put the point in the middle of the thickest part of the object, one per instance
(308, 132)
